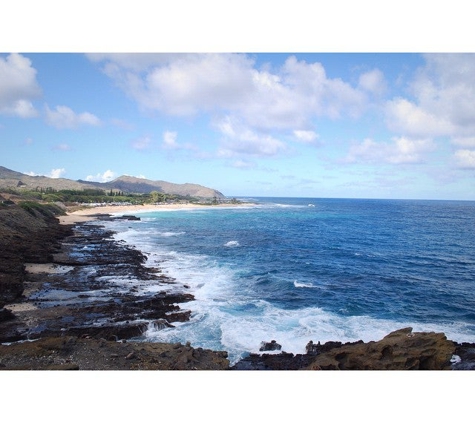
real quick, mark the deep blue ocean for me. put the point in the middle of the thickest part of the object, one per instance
(300, 269)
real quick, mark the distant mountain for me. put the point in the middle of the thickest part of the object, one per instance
(138, 185)
(14, 179)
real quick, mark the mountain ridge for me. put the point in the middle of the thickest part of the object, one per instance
(14, 179)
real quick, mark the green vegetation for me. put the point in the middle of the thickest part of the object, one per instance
(48, 210)
(94, 196)
(29, 199)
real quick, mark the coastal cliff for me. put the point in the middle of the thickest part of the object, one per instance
(69, 288)
(28, 233)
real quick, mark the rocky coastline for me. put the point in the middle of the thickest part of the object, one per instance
(71, 297)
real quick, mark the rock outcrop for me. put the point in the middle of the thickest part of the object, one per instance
(27, 234)
(91, 288)
(71, 353)
(399, 350)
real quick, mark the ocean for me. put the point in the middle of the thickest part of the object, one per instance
(301, 269)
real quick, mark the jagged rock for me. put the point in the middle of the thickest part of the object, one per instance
(6, 314)
(66, 353)
(26, 235)
(401, 349)
(465, 352)
(269, 346)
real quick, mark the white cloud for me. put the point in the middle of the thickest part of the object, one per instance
(181, 84)
(400, 151)
(373, 82)
(443, 96)
(57, 173)
(169, 140)
(65, 118)
(107, 176)
(18, 86)
(466, 142)
(264, 100)
(305, 136)
(170, 143)
(465, 158)
(54, 173)
(241, 140)
(406, 117)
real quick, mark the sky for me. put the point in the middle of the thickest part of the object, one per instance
(247, 123)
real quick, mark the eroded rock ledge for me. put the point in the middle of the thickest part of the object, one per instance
(399, 350)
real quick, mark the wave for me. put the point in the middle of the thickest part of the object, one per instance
(231, 312)
(224, 327)
(170, 234)
(301, 284)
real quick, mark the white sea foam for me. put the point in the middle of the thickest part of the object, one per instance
(227, 315)
(300, 284)
(171, 234)
(232, 244)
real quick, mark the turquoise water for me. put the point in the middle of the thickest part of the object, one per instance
(300, 269)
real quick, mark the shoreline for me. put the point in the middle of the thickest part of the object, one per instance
(90, 212)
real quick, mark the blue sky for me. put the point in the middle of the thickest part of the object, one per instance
(329, 124)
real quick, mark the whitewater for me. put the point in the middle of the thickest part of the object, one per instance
(301, 269)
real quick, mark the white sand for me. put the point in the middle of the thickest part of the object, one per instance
(123, 209)
(74, 218)
(47, 268)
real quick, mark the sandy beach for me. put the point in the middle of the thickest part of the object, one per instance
(88, 214)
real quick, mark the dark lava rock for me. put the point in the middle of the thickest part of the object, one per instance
(86, 300)
(466, 353)
(26, 235)
(269, 346)
(6, 314)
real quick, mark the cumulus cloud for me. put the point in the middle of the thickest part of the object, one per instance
(373, 82)
(400, 151)
(443, 94)
(466, 142)
(57, 173)
(107, 176)
(54, 173)
(180, 84)
(169, 140)
(18, 86)
(465, 158)
(403, 116)
(240, 140)
(263, 100)
(305, 136)
(65, 118)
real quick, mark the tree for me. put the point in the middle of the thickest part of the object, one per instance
(154, 195)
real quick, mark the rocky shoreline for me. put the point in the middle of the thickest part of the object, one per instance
(85, 302)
